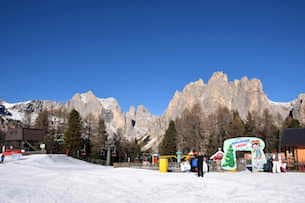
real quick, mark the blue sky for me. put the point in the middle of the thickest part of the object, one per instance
(140, 52)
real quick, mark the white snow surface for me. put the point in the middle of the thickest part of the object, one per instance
(10, 105)
(58, 178)
(16, 115)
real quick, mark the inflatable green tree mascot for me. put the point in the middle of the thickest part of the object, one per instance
(229, 158)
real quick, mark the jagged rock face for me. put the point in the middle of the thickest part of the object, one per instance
(298, 108)
(142, 125)
(243, 95)
(87, 103)
(18, 111)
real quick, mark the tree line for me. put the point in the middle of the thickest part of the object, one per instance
(86, 137)
(194, 130)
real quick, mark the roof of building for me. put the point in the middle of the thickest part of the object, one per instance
(293, 137)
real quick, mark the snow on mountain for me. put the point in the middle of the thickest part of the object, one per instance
(16, 114)
(244, 95)
(10, 105)
(109, 103)
(83, 98)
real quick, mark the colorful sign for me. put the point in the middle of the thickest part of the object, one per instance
(251, 144)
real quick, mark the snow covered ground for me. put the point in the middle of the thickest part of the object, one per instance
(57, 178)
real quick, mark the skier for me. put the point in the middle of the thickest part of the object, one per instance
(2, 158)
(200, 165)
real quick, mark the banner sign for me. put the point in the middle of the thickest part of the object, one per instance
(252, 144)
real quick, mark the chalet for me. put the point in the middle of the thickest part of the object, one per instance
(25, 138)
(293, 143)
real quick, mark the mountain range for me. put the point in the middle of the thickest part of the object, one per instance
(243, 95)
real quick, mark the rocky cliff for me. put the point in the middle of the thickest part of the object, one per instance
(243, 95)
(138, 123)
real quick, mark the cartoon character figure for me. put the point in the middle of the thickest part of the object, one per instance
(257, 152)
(258, 158)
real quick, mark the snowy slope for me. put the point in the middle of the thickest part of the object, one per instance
(16, 115)
(57, 178)
(10, 105)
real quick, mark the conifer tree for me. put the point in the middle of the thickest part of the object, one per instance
(98, 139)
(73, 133)
(290, 122)
(169, 142)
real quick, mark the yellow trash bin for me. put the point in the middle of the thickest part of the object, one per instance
(163, 165)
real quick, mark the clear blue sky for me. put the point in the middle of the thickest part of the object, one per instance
(140, 52)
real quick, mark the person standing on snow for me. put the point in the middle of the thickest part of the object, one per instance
(2, 158)
(276, 161)
(204, 166)
(200, 165)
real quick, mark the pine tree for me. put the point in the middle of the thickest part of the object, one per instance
(290, 122)
(98, 139)
(169, 142)
(229, 158)
(73, 133)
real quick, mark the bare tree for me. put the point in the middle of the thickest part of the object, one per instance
(27, 119)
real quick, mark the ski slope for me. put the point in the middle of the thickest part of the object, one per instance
(58, 178)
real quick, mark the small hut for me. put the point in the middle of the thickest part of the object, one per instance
(25, 138)
(293, 143)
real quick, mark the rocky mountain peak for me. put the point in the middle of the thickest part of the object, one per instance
(243, 95)
(109, 103)
(132, 111)
(194, 85)
(218, 77)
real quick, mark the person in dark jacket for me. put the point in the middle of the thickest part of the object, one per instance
(2, 158)
(200, 165)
